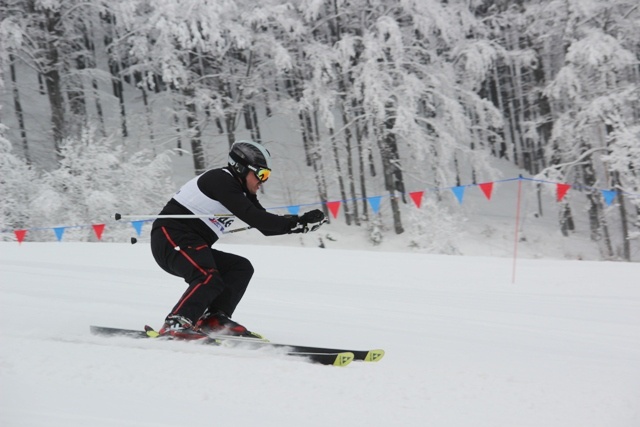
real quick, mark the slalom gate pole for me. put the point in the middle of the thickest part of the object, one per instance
(515, 243)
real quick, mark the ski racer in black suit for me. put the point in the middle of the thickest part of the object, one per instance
(182, 246)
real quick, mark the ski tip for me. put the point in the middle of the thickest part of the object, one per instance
(256, 336)
(151, 333)
(343, 359)
(374, 355)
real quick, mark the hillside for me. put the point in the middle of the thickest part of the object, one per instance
(465, 346)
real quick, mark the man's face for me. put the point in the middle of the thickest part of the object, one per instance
(253, 183)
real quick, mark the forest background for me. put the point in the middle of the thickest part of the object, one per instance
(108, 105)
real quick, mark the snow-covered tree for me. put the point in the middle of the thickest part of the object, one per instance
(377, 89)
(95, 179)
(384, 95)
(19, 184)
(52, 38)
(595, 97)
(207, 55)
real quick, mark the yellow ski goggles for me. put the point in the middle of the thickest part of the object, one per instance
(261, 173)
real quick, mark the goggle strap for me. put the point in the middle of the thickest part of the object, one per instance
(238, 159)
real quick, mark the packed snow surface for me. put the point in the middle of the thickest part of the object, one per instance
(465, 346)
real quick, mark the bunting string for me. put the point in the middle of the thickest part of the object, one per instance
(458, 191)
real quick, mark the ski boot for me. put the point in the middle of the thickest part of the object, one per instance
(180, 327)
(218, 323)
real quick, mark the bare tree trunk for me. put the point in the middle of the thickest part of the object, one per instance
(597, 222)
(52, 78)
(230, 124)
(321, 176)
(118, 91)
(219, 126)
(513, 124)
(343, 193)
(350, 175)
(520, 107)
(349, 158)
(256, 123)
(251, 122)
(115, 70)
(99, 112)
(89, 44)
(594, 217)
(624, 218)
(626, 238)
(361, 130)
(77, 101)
(267, 101)
(589, 177)
(176, 122)
(74, 84)
(539, 198)
(566, 220)
(148, 112)
(391, 169)
(606, 235)
(508, 150)
(18, 109)
(42, 90)
(229, 115)
(195, 134)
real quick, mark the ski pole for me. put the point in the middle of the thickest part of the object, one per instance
(186, 216)
(134, 240)
(238, 229)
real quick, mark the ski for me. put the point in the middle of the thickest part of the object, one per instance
(364, 355)
(315, 355)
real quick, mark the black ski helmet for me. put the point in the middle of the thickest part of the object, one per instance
(248, 153)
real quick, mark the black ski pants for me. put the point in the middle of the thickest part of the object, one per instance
(217, 280)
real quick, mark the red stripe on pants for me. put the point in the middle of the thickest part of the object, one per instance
(209, 275)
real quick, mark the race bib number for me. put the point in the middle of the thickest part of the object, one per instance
(221, 223)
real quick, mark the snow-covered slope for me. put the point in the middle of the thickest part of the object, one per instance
(465, 346)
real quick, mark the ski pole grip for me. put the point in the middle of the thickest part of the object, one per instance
(118, 217)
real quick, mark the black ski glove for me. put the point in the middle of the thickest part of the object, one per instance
(310, 221)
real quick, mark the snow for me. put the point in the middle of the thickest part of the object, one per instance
(465, 346)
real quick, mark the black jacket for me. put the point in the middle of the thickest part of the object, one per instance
(223, 186)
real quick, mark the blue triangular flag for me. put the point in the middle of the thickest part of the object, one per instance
(609, 195)
(375, 203)
(459, 192)
(138, 226)
(293, 210)
(59, 232)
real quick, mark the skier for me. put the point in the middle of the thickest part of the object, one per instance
(217, 280)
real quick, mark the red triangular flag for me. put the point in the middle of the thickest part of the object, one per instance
(20, 235)
(416, 196)
(98, 229)
(487, 188)
(334, 207)
(561, 190)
